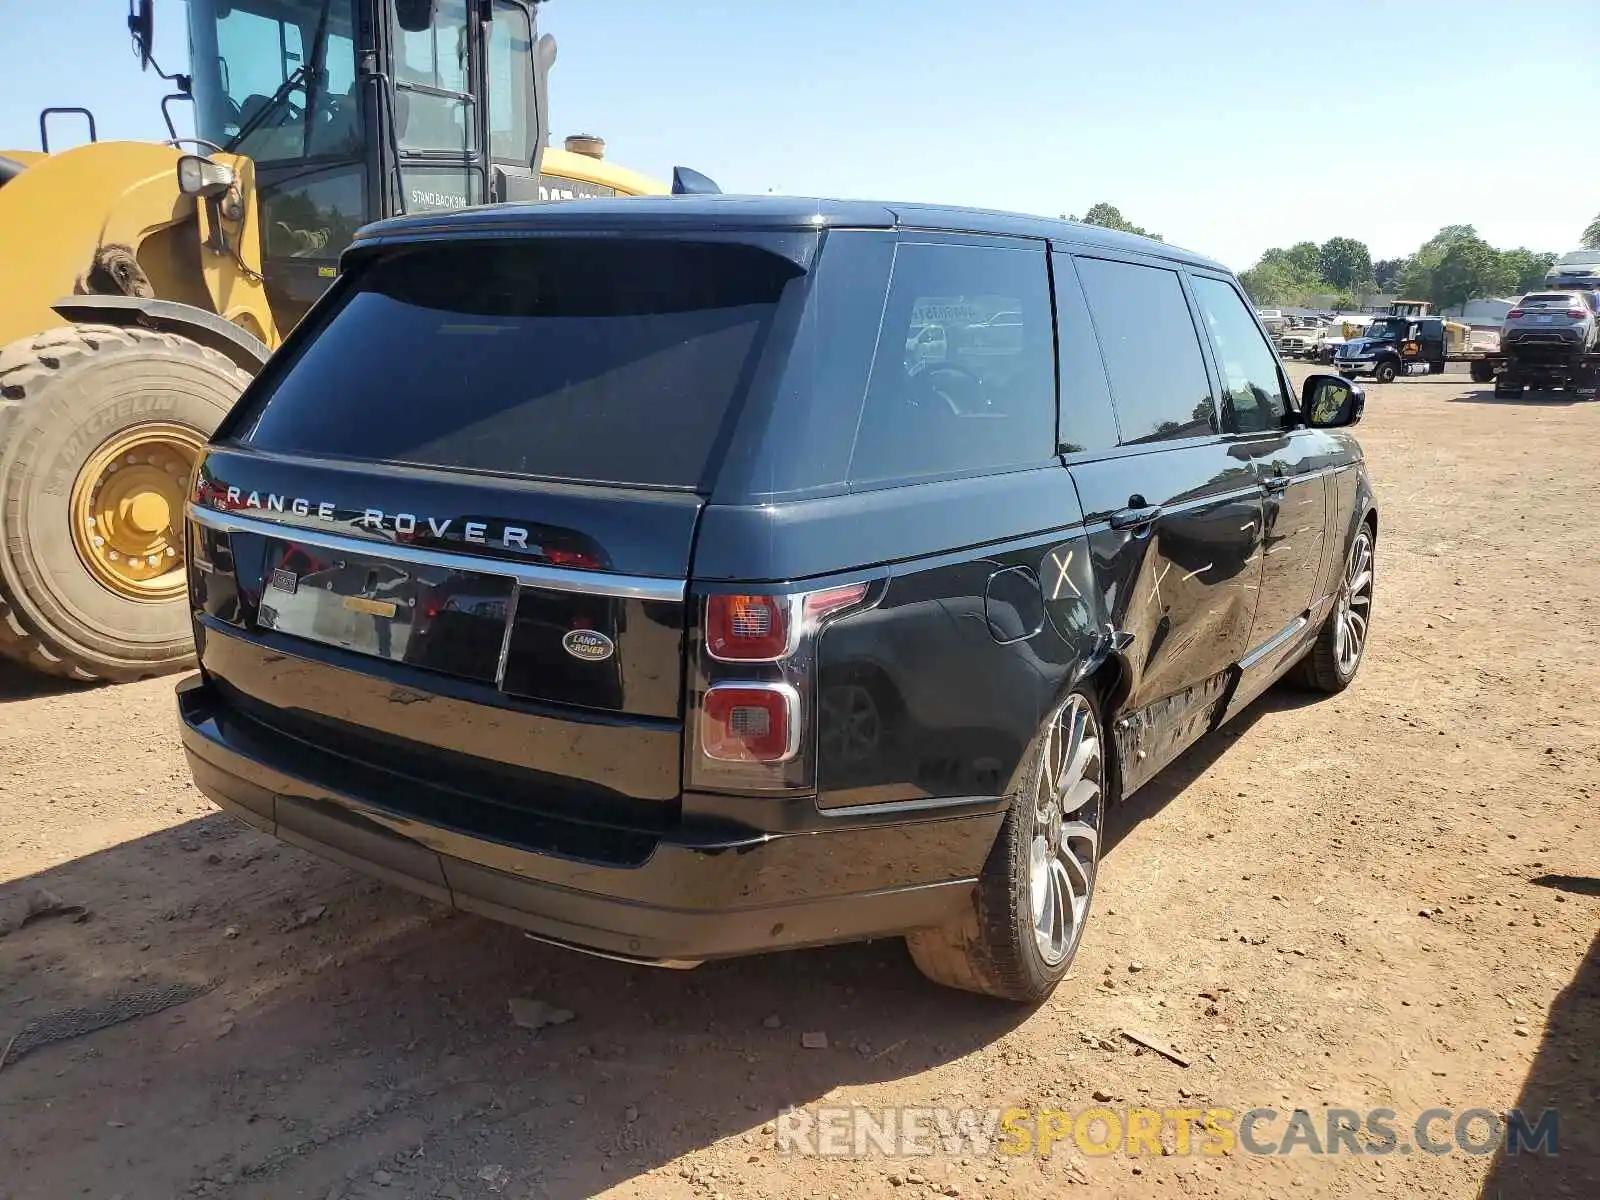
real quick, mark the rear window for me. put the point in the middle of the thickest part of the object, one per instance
(606, 361)
(1551, 300)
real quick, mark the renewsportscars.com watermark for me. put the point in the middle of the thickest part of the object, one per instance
(845, 1131)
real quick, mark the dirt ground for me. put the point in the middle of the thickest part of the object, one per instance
(1390, 898)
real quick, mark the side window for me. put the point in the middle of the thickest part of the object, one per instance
(432, 107)
(436, 57)
(510, 84)
(1251, 384)
(1152, 353)
(1087, 422)
(313, 216)
(963, 377)
(337, 127)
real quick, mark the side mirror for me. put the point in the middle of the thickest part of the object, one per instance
(142, 25)
(1331, 402)
(544, 51)
(414, 16)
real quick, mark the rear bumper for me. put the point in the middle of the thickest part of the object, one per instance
(1554, 342)
(719, 891)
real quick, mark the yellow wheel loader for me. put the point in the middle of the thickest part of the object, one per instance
(144, 284)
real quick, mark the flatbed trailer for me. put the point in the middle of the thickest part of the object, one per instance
(1391, 364)
(1401, 342)
(1515, 373)
(1511, 373)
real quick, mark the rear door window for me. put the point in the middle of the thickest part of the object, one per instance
(1152, 352)
(607, 361)
(964, 375)
(510, 84)
(1087, 422)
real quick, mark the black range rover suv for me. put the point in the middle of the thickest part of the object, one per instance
(685, 578)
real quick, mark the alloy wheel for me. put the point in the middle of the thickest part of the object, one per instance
(1355, 606)
(1065, 849)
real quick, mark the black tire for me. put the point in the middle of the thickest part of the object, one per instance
(1325, 668)
(1384, 372)
(1507, 391)
(63, 394)
(1482, 372)
(1438, 367)
(992, 948)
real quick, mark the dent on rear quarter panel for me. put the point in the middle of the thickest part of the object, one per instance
(918, 699)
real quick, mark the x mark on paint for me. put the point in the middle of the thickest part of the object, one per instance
(1062, 579)
(1155, 584)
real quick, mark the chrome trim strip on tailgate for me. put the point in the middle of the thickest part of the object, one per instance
(527, 575)
(505, 638)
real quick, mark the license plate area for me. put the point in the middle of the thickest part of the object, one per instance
(433, 617)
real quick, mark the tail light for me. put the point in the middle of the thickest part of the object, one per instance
(570, 558)
(751, 695)
(1577, 314)
(1515, 312)
(749, 628)
(750, 722)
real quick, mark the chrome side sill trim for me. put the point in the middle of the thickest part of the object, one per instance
(1278, 640)
(670, 964)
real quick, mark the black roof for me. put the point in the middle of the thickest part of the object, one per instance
(758, 213)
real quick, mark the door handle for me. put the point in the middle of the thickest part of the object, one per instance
(1134, 518)
(1277, 485)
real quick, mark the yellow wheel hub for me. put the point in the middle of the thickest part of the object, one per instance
(127, 510)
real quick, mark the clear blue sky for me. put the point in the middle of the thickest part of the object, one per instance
(1226, 125)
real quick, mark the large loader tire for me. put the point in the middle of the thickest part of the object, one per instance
(78, 405)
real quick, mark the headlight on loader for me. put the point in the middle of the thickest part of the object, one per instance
(200, 176)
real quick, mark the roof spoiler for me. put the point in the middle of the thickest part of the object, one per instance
(687, 182)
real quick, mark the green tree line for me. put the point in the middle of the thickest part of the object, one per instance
(1450, 268)
(1109, 216)
(1453, 266)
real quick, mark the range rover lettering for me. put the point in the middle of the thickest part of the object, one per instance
(686, 578)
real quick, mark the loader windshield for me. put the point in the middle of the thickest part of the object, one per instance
(276, 79)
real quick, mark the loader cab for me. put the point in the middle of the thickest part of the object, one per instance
(354, 110)
(1410, 308)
